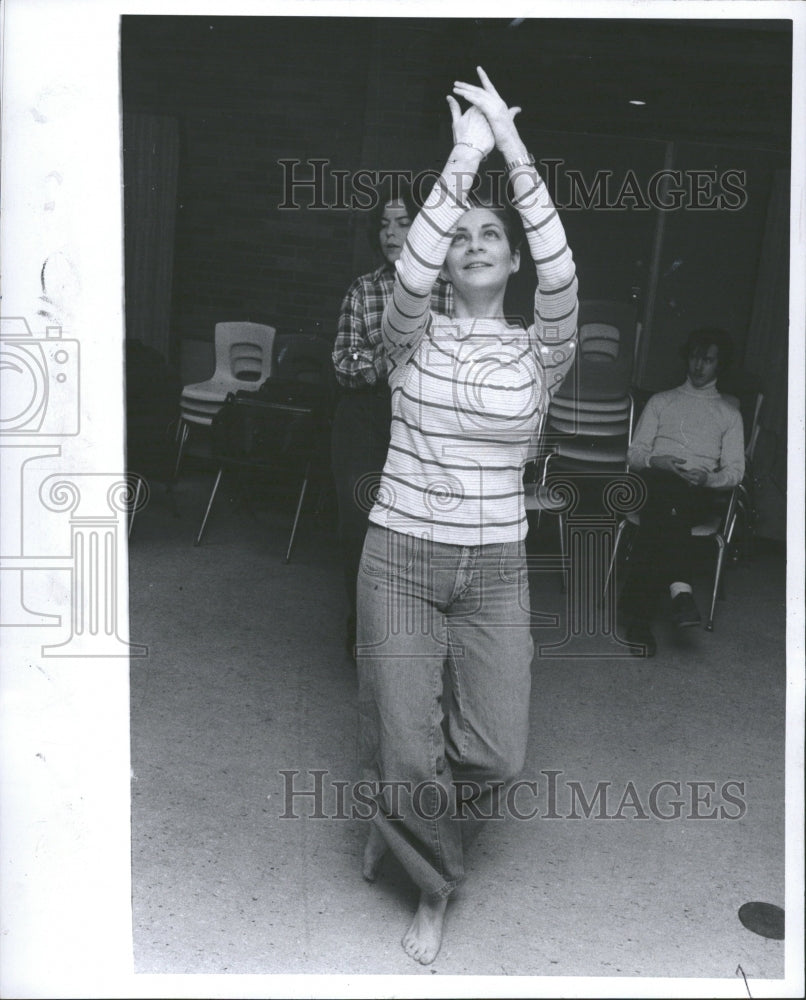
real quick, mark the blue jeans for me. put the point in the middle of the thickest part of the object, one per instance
(444, 666)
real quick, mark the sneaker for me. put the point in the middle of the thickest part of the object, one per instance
(639, 634)
(684, 611)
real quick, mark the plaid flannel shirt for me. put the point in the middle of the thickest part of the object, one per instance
(359, 357)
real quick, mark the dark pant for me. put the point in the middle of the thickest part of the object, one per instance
(358, 451)
(662, 550)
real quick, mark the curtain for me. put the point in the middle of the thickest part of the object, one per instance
(150, 170)
(766, 356)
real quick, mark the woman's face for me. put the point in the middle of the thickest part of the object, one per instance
(479, 256)
(395, 224)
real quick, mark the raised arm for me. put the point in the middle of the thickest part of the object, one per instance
(556, 304)
(429, 237)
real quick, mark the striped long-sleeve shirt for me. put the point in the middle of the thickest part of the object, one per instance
(467, 394)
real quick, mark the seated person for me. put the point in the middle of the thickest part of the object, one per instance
(688, 443)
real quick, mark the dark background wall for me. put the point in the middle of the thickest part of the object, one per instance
(212, 105)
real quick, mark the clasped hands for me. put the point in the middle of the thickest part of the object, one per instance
(488, 122)
(668, 463)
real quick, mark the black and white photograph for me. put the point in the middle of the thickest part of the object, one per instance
(402, 561)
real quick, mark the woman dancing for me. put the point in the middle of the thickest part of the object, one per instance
(444, 643)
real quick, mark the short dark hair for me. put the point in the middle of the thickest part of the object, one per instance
(508, 216)
(384, 193)
(698, 342)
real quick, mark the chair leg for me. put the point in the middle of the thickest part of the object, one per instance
(539, 512)
(209, 505)
(613, 555)
(297, 514)
(182, 433)
(720, 563)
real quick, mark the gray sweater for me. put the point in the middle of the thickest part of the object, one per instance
(698, 425)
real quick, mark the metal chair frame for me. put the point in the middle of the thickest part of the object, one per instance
(720, 528)
(266, 406)
(590, 435)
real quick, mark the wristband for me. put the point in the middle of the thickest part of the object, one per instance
(523, 161)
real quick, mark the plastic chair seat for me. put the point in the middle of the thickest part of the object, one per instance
(578, 458)
(603, 367)
(603, 428)
(707, 528)
(198, 412)
(244, 358)
(202, 419)
(200, 405)
(217, 389)
(622, 405)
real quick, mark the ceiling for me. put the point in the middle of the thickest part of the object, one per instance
(723, 81)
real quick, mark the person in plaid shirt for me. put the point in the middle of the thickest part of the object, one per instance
(360, 436)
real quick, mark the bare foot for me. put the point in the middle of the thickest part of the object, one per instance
(423, 938)
(373, 854)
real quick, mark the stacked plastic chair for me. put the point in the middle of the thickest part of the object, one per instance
(282, 429)
(605, 361)
(588, 426)
(243, 359)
